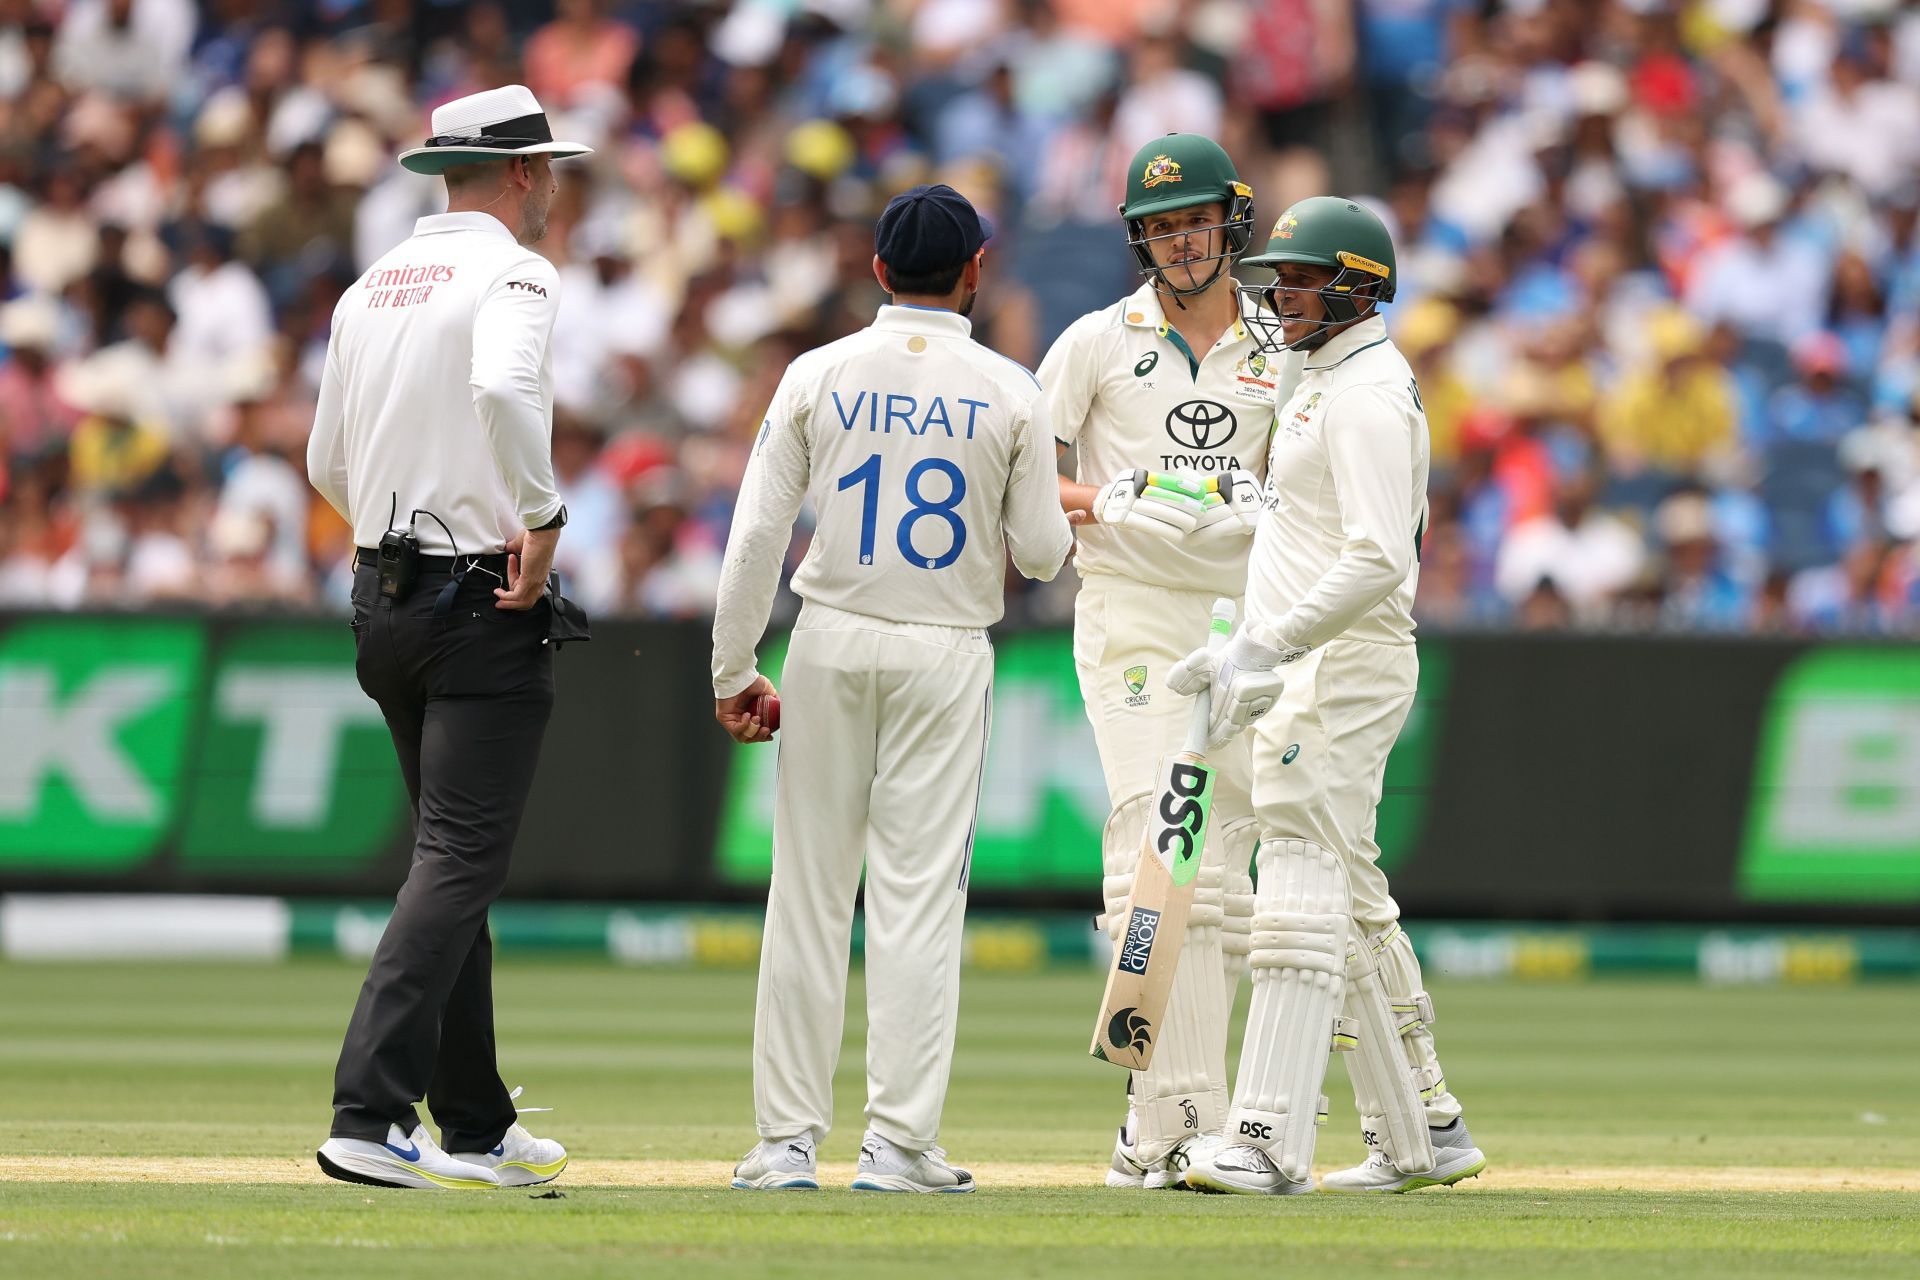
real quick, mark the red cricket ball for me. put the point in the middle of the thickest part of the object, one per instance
(767, 708)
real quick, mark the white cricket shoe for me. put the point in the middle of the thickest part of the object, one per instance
(786, 1164)
(1130, 1171)
(1243, 1170)
(403, 1160)
(886, 1167)
(1455, 1159)
(519, 1159)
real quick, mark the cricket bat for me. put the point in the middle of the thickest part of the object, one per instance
(1148, 952)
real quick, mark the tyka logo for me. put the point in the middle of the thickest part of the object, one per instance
(1128, 1030)
(1136, 950)
(1201, 424)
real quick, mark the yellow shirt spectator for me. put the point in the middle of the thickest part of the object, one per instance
(1675, 411)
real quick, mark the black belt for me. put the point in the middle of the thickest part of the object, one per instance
(495, 563)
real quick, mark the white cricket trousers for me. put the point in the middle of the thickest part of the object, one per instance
(1126, 632)
(883, 741)
(1320, 758)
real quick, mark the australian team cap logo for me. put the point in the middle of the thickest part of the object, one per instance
(1160, 169)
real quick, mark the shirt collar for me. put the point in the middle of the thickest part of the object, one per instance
(1143, 311)
(471, 220)
(1349, 342)
(929, 320)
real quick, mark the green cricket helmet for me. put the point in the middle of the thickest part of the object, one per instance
(1332, 232)
(1177, 172)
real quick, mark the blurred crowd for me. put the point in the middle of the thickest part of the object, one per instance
(1659, 259)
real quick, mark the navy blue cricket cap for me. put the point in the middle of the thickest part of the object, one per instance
(928, 229)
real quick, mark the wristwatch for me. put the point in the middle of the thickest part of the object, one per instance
(559, 520)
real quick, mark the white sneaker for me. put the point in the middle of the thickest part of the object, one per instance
(1455, 1159)
(519, 1159)
(403, 1160)
(1244, 1170)
(783, 1165)
(885, 1167)
(1130, 1171)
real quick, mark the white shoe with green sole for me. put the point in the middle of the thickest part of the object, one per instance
(1455, 1159)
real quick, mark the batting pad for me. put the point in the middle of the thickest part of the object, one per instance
(1413, 1012)
(1183, 1091)
(1301, 927)
(1120, 857)
(1236, 931)
(1391, 1115)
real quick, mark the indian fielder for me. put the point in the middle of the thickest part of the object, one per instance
(1329, 599)
(1164, 395)
(925, 457)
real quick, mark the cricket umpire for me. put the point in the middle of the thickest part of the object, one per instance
(432, 437)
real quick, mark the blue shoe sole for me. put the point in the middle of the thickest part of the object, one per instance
(798, 1184)
(861, 1184)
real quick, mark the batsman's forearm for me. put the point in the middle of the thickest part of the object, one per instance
(1075, 496)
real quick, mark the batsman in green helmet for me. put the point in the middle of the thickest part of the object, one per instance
(1165, 398)
(1329, 609)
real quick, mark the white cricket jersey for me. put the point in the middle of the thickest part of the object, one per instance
(926, 462)
(1337, 552)
(438, 390)
(1121, 387)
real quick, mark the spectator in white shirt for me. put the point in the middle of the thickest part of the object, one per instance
(1767, 285)
(225, 317)
(1589, 556)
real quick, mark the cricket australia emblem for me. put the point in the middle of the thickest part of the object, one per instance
(1136, 678)
(1160, 169)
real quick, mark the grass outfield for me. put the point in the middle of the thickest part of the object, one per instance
(159, 1120)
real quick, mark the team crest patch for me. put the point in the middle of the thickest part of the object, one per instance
(1160, 169)
(1257, 364)
(1283, 229)
(1136, 678)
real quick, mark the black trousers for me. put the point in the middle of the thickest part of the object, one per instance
(466, 697)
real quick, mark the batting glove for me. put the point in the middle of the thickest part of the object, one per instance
(1232, 509)
(1241, 677)
(1158, 502)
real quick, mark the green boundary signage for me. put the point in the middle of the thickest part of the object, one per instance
(1585, 778)
(1835, 807)
(238, 750)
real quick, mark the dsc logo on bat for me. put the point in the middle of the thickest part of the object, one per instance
(1183, 812)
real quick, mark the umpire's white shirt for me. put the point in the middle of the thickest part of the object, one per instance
(438, 390)
(921, 452)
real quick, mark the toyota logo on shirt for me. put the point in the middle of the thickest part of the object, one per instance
(1201, 424)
